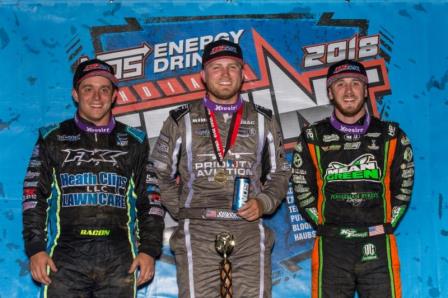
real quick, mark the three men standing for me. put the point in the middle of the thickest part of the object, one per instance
(89, 178)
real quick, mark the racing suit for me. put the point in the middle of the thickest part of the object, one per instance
(202, 204)
(89, 197)
(354, 189)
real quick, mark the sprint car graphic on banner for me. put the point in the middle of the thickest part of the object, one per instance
(158, 63)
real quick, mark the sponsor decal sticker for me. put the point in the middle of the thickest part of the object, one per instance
(331, 148)
(156, 211)
(309, 133)
(352, 233)
(405, 141)
(247, 132)
(164, 138)
(300, 188)
(198, 120)
(330, 138)
(29, 191)
(406, 191)
(408, 173)
(29, 205)
(31, 175)
(160, 165)
(298, 162)
(373, 145)
(96, 156)
(369, 252)
(404, 198)
(122, 139)
(355, 198)
(363, 168)
(153, 188)
(351, 138)
(93, 199)
(35, 163)
(151, 179)
(299, 179)
(68, 138)
(35, 151)
(407, 155)
(391, 130)
(376, 230)
(154, 197)
(407, 183)
(30, 183)
(299, 147)
(95, 232)
(247, 122)
(202, 132)
(373, 134)
(162, 147)
(352, 146)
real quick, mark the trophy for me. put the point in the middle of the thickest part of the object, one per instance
(224, 244)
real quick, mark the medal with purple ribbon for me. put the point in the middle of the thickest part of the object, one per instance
(220, 151)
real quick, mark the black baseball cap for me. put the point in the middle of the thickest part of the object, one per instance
(346, 69)
(94, 67)
(221, 48)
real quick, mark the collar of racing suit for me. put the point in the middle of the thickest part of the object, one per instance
(87, 126)
(224, 108)
(359, 128)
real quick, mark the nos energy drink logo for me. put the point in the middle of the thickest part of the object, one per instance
(363, 168)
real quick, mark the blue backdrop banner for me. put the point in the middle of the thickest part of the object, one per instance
(156, 49)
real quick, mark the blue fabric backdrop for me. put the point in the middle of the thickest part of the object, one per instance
(155, 46)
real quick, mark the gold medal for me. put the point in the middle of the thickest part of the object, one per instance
(220, 176)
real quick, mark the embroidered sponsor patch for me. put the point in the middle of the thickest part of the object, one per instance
(369, 252)
(156, 211)
(68, 138)
(330, 138)
(29, 205)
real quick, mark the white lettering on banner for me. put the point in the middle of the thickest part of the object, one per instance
(305, 236)
(301, 230)
(305, 102)
(184, 53)
(128, 63)
(301, 226)
(357, 47)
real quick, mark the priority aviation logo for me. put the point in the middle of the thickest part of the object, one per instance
(296, 92)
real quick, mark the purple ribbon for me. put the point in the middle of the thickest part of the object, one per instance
(351, 129)
(106, 129)
(223, 108)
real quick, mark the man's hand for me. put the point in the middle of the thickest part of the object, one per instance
(252, 210)
(38, 267)
(146, 264)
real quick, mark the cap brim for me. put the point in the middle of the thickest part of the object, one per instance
(223, 57)
(100, 73)
(338, 76)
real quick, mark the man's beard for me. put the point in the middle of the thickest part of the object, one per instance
(350, 112)
(223, 95)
